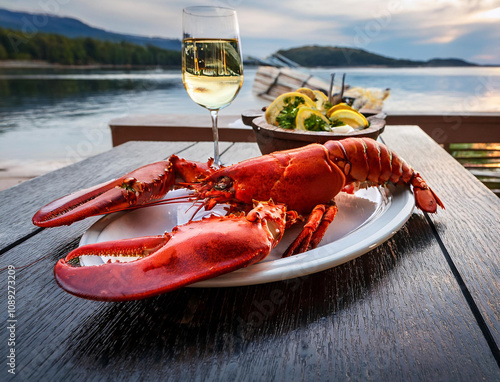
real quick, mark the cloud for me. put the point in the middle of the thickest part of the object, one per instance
(417, 29)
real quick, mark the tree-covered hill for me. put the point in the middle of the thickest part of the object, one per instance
(58, 49)
(314, 55)
(31, 23)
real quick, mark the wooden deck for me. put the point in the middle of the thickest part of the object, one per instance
(423, 306)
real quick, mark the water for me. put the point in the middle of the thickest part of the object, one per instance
(63, 115)
(430, 90)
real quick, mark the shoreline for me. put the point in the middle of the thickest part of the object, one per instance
(14, 172)
(37, 64)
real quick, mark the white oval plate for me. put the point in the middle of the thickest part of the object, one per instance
(364, 220)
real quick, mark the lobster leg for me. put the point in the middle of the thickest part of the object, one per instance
(314, 229)
(141, 186)
(193, 252)
(328, 217)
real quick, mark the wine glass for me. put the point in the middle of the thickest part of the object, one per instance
(212, 67)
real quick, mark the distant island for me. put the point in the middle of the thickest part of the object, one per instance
(68, 41)
(314, 56)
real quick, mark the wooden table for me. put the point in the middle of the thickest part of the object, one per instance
(424, 306)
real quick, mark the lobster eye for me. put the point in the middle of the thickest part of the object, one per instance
(223, 183)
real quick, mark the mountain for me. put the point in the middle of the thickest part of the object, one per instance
(314, 55)
(70, 27)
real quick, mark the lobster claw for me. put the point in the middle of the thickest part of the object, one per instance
(143, 185)
(193, 252)
(147, 183)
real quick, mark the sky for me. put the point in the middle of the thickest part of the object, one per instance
(404, 29)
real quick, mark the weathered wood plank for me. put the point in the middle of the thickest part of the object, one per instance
(475, 146)
(171, 128)
(453, 127)
(480, 165)
(241, 151)
(271, 82)
(470, 225)
(476, 154)
(485, 173)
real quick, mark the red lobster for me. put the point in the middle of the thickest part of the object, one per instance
(300, 181)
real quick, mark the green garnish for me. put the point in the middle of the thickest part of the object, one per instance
(336, 123)
(315, 123)
(286, 118)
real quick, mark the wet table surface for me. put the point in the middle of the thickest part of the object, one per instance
(423, 306)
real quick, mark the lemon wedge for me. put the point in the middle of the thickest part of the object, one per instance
(349, 117)
(339, 106)
(321, 99)
(308, 92)
(311, 120)
(283, 111)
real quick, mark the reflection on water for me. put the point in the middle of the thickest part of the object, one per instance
(64, 114)
(17, 94)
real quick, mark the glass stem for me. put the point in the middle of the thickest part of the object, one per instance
(215, 132)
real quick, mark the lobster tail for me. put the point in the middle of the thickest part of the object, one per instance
(366, 160)
(425, 198)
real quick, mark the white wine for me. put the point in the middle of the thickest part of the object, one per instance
(212, 68)
(212, 71)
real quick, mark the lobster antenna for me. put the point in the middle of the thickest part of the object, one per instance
(174, 200)
(157, 203)
(197, 210)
